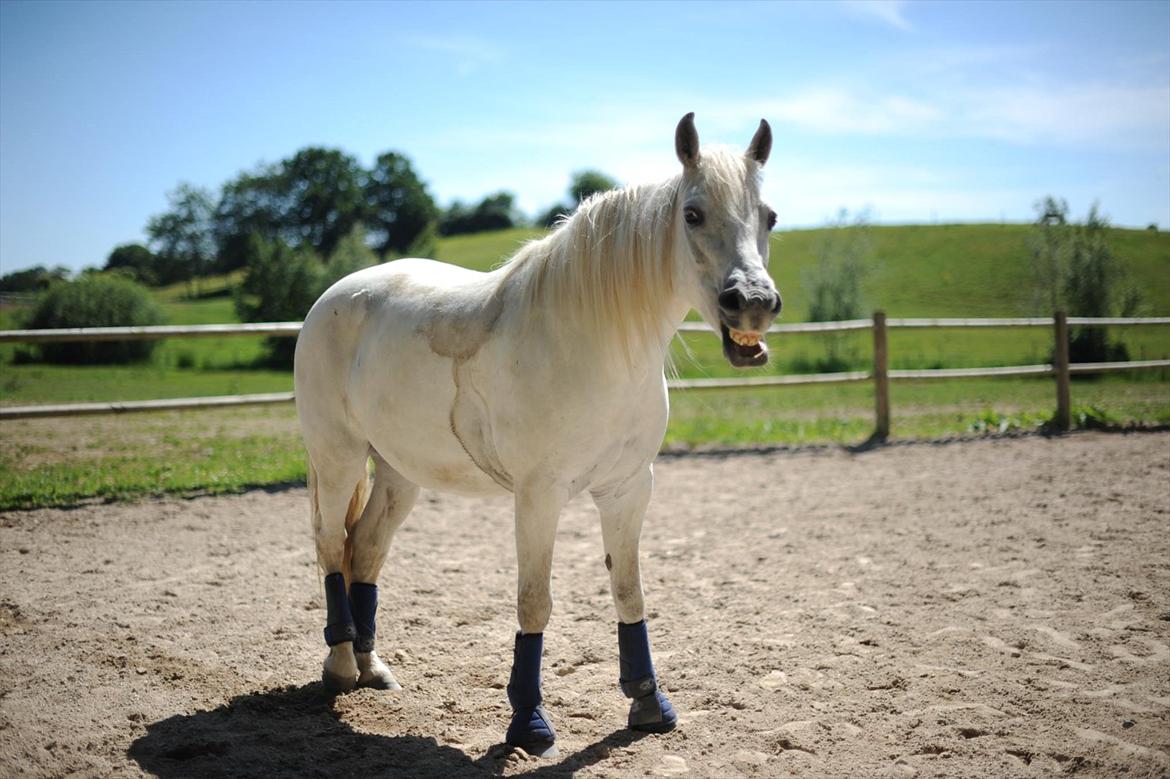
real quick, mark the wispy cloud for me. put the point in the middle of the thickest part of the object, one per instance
(891, 12)
(467, 53)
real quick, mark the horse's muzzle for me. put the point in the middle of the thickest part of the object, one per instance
(745, 312)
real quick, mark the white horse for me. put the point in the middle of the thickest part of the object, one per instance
(541, 379)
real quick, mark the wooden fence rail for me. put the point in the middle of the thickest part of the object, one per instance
(881, 375)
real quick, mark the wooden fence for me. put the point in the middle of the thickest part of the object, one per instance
(880, 374)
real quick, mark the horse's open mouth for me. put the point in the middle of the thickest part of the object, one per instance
(742, 348)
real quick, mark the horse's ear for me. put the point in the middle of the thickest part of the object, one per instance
(686, 141)
(761, 145)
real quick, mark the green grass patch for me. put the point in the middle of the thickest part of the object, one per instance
(54, 462)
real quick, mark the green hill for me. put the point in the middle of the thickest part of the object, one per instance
(974, 270)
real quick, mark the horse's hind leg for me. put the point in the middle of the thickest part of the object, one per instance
(391, 498)
(337, 488)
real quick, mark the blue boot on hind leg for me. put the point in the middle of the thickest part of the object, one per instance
(650, 710)
(340, 672)
(530, 728)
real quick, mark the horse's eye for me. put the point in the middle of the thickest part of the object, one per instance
(693, 216)
(771, 219)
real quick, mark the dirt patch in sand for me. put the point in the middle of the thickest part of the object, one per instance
(987, 608)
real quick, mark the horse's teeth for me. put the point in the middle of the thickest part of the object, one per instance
(745, 339)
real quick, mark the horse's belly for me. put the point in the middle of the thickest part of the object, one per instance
(438, 467)
(409, 417)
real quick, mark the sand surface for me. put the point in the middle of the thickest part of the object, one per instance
(994, 608)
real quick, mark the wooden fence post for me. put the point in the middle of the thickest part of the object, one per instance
(881, 377)
(1063, 402)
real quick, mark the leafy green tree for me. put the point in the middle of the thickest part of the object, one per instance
(1075, 271)
(553, 215)
(587, 183)
(251, 203)
(584, 185)
(281, 282)
(135, 260)
(95, 300)
(323, 188)
(34, 279)
(183, 237)
(495, 212)
(400, 211)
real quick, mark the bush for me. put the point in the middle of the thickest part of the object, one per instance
(95, 301)
(833, 285)
(1075, 270)
(282, 283)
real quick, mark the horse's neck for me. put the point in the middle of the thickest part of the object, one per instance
(605, 280)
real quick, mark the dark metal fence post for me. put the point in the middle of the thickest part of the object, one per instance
(1063, 402)
(881, 377)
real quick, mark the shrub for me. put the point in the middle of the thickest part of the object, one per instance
(282, 283)
(833, 285)
(95, 300)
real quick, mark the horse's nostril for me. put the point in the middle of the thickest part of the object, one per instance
(731, 300)
(779, 304)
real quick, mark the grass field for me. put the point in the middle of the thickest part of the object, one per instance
(947, 270)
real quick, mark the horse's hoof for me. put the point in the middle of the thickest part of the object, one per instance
(653, 714)
(532, 730)
(379, 682)
(375, 674)
(338, 684)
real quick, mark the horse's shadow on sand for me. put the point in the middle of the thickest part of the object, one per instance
(294, 731)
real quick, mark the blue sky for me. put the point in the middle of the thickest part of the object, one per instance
(920, 112)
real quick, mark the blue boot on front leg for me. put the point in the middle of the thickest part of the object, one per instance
(650, 710)
(530, 728)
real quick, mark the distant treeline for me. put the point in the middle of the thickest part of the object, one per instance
(309, 201)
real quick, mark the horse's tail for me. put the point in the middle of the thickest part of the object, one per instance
(353, 512)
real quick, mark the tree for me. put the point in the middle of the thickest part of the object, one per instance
(584, 185)
(135, 260)
(34, 279)
(400, 211)
(1075, 271)
(587, 183)
(282, 282)
(323, 188)
(494, 212)
(183, 237)
(250, 204)
(833, 285)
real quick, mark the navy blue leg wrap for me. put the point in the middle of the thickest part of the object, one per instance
(339, 626)
(530, 728)
(650, 709)
(363, 602)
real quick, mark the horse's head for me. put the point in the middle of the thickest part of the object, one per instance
(726, 228)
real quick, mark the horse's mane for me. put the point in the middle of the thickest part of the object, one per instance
(611, 264)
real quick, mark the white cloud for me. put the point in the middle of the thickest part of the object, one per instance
(840, 111)
(1086, 114)
(891, 12)
(466, 53)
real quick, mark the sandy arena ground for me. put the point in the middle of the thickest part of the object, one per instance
(995, 608)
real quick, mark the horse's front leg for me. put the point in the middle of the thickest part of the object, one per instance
(538, 507)
(622, 509)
